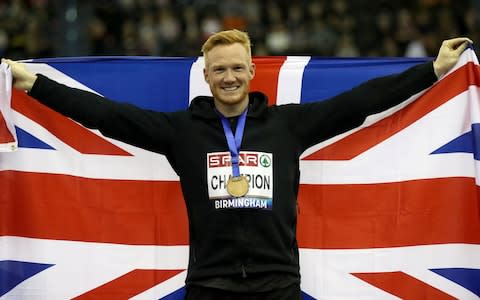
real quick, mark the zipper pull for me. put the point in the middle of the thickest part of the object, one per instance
(244, 273)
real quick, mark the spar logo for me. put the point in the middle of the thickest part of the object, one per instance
(223, 159)
(265, 161)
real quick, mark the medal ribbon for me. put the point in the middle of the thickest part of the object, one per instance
(234, 142)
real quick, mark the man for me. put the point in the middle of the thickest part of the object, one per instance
(238, 160)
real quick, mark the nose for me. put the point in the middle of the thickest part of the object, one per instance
(229, 76)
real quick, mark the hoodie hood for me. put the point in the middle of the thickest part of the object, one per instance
(203, 106)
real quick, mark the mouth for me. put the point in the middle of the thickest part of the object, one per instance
(230, 88)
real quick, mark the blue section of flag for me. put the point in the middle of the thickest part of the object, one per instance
(160, 84)
(468, 142)
(12, 273)
(468, 278)
(306, 296)
(177, 295)
(26, 140)
(346, 73)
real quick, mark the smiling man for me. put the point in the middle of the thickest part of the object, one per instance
(238, 159)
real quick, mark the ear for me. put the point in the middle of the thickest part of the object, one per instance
(252, 71)
(205, 75)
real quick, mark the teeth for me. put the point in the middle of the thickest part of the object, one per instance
(230, 88)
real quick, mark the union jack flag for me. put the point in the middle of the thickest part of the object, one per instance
(388, 210)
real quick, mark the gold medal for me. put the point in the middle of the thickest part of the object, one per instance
(237, 186)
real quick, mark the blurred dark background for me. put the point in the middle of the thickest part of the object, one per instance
(413, 28)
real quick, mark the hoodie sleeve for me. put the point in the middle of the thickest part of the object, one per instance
(319, 121)
(147, 129)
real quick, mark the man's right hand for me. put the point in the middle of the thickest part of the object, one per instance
(22, 78)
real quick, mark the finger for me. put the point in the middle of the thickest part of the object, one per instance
(461, 47)
(459, 40)
(456, 42)
(7, 61)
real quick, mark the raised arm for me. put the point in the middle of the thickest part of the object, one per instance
(319, 121)
(142, 128)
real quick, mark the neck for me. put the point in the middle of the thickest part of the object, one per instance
(231, 110)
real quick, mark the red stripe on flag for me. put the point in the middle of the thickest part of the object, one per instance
(73, 134)
(129, 285)
(403, 286)
(434, 211)
(362, 140)
(5, 134)
(266, 77)
(419, 212)
(65, 207)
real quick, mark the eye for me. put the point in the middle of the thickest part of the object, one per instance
(218, 70)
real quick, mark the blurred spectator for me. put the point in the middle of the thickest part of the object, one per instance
(22, 30)
(209, 24)
(35, 28)
(346, 46)
(277, 39)
(323, 38)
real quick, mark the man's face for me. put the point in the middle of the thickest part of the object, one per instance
(228, 73)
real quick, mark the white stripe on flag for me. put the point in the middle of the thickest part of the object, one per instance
(290, 79)
(198, 86)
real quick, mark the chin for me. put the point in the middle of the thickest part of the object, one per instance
(231, 99)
